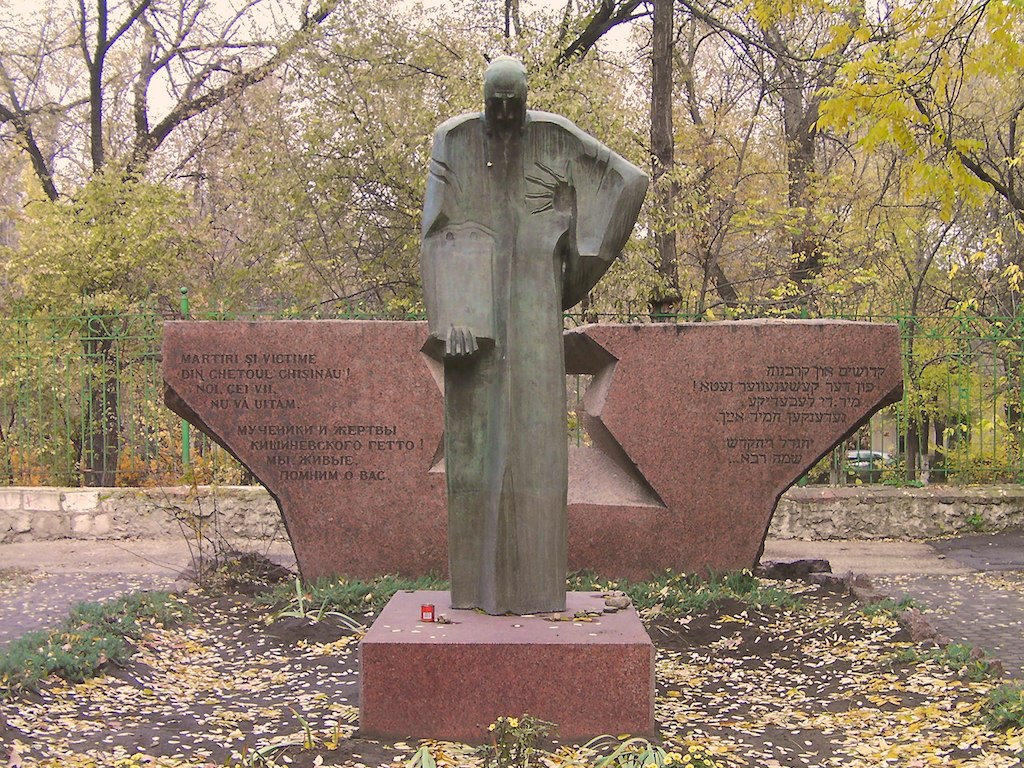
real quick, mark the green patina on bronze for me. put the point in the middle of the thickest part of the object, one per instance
(523, 214)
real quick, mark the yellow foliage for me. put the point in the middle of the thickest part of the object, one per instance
(1013, 276)
(841, 34)
(935, 84)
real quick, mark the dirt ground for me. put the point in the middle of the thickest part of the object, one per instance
(815, 686)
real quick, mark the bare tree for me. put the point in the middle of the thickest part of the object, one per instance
(666, 189)
(576, 42)
(785, 55)
(139, 69)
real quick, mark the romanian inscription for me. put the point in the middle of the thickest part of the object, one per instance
(756, 412)
(264, 391)
(254, 381)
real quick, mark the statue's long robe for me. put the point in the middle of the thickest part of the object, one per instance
(515, 230)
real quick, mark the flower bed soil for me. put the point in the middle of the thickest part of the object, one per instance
(814, 686)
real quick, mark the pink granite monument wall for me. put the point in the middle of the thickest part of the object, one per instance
(341, 421)
(696, 430)
(718, 420)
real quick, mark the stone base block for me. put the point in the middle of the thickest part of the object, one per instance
(450, 681)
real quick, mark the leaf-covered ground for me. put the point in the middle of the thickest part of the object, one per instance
(814, 686)
(12, 579)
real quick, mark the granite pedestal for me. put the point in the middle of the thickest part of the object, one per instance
(450, 681)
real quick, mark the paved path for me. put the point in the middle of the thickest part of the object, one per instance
(39, 582)
(980, 609)
(42, 600)
(983, 607)
(972, 587)
(873, 558)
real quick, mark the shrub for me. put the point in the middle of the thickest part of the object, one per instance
(1004, 707)
(93, 635)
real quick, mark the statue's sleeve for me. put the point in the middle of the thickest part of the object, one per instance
(456, 254)
(436, 200)
(609, 192)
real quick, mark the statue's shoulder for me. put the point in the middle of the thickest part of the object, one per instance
(454, 124)
(548, 121)
(590, 146)
(550, 118)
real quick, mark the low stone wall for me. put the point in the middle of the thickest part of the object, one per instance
(249, 512)
(880, 512)
(227, 512)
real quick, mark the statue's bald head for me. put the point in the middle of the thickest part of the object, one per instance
(505, 78)
(505, 94)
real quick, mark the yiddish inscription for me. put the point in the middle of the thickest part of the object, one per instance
(757, 415)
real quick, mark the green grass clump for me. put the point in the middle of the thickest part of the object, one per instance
(670, 593)
(347, 596)
(956, 657)
(675, 593)
(1004, 706)
(889, 607)
(92, 635)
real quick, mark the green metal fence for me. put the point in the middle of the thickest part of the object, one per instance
(962, 415)
(81, 403)
(80, 400)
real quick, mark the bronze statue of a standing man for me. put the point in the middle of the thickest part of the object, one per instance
(524, 213)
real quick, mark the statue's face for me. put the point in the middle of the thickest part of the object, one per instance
(505, 94)
(504, 111)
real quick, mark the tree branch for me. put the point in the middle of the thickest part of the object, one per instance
(83, 34)
(191, 106)
(1005, 191)
(141, 86)
(1002, 189)
(604, 18)
(23, 130)
(127, 23)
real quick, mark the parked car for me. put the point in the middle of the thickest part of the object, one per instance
(866, 464)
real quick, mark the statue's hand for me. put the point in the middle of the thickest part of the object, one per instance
(460, 342)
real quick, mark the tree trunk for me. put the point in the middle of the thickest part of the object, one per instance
(512, 19)
(95, 65)
(805, 245)
(799, 117)
(8, 464)
(937, 464)
(663, 155)
(923, 450)
(911, 447)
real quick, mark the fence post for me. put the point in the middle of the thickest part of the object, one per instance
(186, 428)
